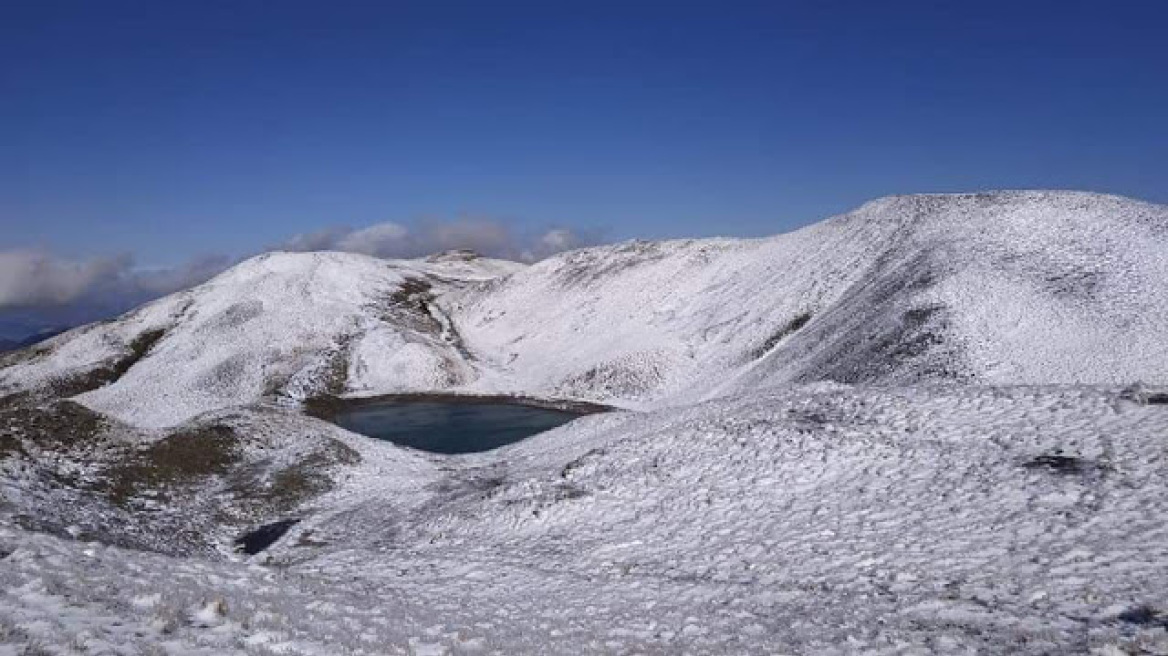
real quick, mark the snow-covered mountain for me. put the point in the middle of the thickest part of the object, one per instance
(1011, 287)
(993, 288)
(934, 424)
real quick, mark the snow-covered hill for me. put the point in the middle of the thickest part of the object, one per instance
(912, 428)
(820, 520)
(994, 288)
(278, 326)
(1009, 287)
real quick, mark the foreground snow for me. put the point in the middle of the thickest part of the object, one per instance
(827, 519)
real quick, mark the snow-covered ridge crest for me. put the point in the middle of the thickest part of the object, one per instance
(999, 287)
(995, 287)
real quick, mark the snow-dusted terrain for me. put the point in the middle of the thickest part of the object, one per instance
(936, 424)
(1018, 287)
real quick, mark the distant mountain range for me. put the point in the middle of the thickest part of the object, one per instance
(15, 344)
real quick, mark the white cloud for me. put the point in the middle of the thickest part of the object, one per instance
(485, 236)
(46, 284)
(37, 279)
(161, 281)
(319, 240)
(557, 240)
(382, 239)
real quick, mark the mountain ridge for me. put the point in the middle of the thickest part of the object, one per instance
(998, 287)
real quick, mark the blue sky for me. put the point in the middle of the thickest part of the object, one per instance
(171, 130)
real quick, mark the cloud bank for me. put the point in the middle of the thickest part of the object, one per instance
(485, 236)
(45, 289)
(38, 279)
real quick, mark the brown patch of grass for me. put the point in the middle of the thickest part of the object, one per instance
(410, 291)
(336, 376)
(188, 458)
(110, 371)
(258, 492)
(10, 447)
(165, 495)
(61, 427)
(409, 306)
(16, 400)
(306, 479)
(176, 460)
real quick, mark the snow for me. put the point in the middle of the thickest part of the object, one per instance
(825, 519)
(911, 428)
(1008, 287)
(270, 327)
(1014, 287)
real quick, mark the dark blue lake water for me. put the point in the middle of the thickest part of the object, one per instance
(441, 427)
